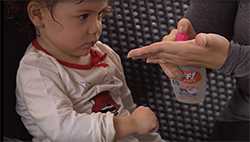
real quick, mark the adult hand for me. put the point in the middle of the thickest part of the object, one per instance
(184, 25)
(171, 70)
(209, 50)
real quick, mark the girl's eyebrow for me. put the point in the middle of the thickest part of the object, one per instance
(106, 8)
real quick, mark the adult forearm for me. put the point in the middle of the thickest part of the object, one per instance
(238, 60)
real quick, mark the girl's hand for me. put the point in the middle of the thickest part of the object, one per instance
(144, 120)
(141, 121)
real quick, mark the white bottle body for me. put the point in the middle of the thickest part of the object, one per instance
(191, 88)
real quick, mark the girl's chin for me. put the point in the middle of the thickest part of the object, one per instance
(85, 52)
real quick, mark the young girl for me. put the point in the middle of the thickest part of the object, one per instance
(70, 86)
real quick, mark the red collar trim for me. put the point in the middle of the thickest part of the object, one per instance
(96, 58)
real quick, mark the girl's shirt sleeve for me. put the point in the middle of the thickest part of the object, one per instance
(126, 96)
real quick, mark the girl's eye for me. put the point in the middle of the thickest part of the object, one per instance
(84, 17)
(100, 15)
(106, 11)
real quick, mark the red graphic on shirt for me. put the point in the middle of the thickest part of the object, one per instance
(103, 102)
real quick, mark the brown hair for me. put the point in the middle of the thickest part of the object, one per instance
(16, 11)
(50, 4)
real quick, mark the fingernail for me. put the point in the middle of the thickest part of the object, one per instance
(180, 29)
(201, 39)
(131, 56)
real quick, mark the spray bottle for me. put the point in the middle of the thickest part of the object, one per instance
(190, 86)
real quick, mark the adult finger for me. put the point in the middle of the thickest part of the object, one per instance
(143, 51)
(171, 36)
(185, 26)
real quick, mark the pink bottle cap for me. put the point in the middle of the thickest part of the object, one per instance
(181, 37)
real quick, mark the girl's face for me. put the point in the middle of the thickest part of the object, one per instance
(75, 28)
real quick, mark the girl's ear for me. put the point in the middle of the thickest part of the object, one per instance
(35, 11)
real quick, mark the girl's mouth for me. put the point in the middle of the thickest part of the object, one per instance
(88, 44)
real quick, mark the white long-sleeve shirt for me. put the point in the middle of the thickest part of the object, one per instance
(63, 102)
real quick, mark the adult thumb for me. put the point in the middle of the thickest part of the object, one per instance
(201, 39)
(211, 40)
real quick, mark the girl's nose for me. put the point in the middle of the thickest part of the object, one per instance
(95, 26)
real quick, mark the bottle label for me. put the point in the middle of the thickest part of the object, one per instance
(191, 76)
(184, 89)
(189, 81)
